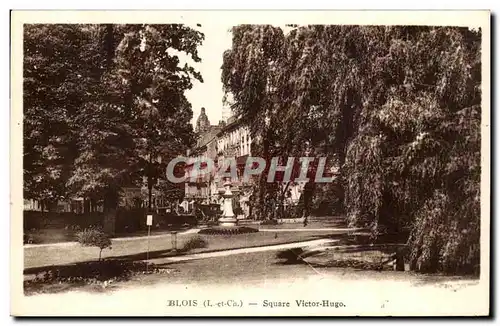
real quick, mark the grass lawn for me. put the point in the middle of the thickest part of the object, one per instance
(245, 268)
(135, 249)
(251, 269)
(263, 267)
(58, 235)
(313, 223)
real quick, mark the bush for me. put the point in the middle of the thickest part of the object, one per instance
(228, 230)
(131, 220)
(94, 237)
(102, 273)
(56, 220)
(194, 243)
(28, 239)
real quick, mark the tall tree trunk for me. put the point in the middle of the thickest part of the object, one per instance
(282, 200)
(150, 182)
(86, 205)
(400, 263)
(109, 45)
(110, 206)
(263, 180)
(150, 193)
(308, 192)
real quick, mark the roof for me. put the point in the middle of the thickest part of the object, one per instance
(232, 123)
(207, 136)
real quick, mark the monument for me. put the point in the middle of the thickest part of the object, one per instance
(228, 218)
(228, 222)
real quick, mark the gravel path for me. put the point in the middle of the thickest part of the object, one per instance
(229, 252)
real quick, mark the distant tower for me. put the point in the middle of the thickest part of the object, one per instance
(202, 124)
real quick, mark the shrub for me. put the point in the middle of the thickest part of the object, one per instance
(194, 243)
(42, 220)
(228, 231)
(131, 220)
(93, 273)
(28, 238)
(94, 237)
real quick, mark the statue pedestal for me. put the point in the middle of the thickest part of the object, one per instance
(228, 221)
(228, 218)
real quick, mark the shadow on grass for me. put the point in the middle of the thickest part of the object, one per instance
(298, 256)
(93, 275)
(138, 257)
(130, 258)
(291, 257)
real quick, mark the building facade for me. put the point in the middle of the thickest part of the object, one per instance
(200, 187)
(227, 140)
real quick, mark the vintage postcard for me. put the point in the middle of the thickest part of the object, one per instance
(250, 163)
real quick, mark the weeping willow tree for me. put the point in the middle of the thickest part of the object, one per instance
(397, 109)
(415, 160)
(248, 74)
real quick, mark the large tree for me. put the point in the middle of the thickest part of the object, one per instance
(59, 63)
(155, 82)
(109, 111)
(397, 109)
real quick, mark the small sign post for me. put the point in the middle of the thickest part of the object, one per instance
(149, 222)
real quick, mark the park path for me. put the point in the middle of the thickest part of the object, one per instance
(191, 231)
(138, 237)
(37, 256)
(229, 252)
(341, 230)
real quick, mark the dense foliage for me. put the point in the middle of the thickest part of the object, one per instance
(104, 108)
(397, 109)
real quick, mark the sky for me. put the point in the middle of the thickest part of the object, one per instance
(209, 94)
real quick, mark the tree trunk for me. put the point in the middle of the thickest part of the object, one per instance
(150, 195)
(308, 190)
(86, 206)
(282, 200)
(150, 172)
(263, 182)
(110, 205)
(109, 45)
(150, 183)
(400, 263)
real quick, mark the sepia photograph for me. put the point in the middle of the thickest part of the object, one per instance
(260, 163)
